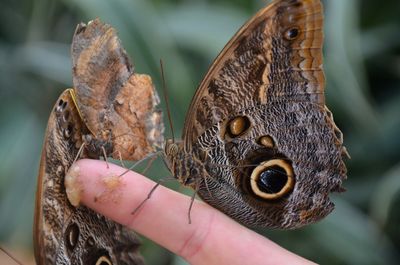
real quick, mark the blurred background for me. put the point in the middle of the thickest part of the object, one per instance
(362, 62)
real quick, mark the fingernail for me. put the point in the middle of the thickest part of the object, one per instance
(73, 187)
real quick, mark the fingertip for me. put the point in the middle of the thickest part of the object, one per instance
(105, 187)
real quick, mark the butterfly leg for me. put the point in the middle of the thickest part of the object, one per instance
(150, 193)
(120, 159)
(105, 156)
(149, 164)
(80, 151)
(191, 206)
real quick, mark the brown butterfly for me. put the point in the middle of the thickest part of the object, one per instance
(110, 111)
(259, 144)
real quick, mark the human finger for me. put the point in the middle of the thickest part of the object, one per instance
(211, 238)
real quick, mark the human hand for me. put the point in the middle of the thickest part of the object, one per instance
(211, 238)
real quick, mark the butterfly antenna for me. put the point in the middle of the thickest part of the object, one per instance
(11, 256)
(166, 101)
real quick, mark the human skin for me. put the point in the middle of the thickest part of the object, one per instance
(211, 238)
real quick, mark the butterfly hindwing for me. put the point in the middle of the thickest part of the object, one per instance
(64, 234)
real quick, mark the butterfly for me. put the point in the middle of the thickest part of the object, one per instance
(111, 111)
(259, 143)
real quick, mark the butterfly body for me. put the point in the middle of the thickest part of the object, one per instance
(259, 143)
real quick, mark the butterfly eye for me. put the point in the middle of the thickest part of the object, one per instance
(103, 260)
(72, 236)
(292, 33)
(272, 179)
(238, 126)
(266, 141)
(171, 149)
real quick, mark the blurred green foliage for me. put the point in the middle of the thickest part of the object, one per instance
(362, 62)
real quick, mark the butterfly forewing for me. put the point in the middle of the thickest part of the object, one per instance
(261, 64)
(118, 106)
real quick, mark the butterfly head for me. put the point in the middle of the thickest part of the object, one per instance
(183, 165)
(171, 153)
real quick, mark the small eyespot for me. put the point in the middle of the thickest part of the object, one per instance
(68, 131)
(266, 141)
(103, 260)
(90, 242)
(72, 236)
(292, 33)
(64, 104)
(237, 126)
(66, 115)
(59, 171)
(272, 179)
(59, 105)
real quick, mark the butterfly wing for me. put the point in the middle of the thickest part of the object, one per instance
(270, 151)
(64, 234)
(261, 63)
(116, 104)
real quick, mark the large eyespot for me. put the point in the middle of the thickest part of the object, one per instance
(103, 260)
(238, 125)
(71, 236)
(93, 255)
(272, 179)
(292, 33)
